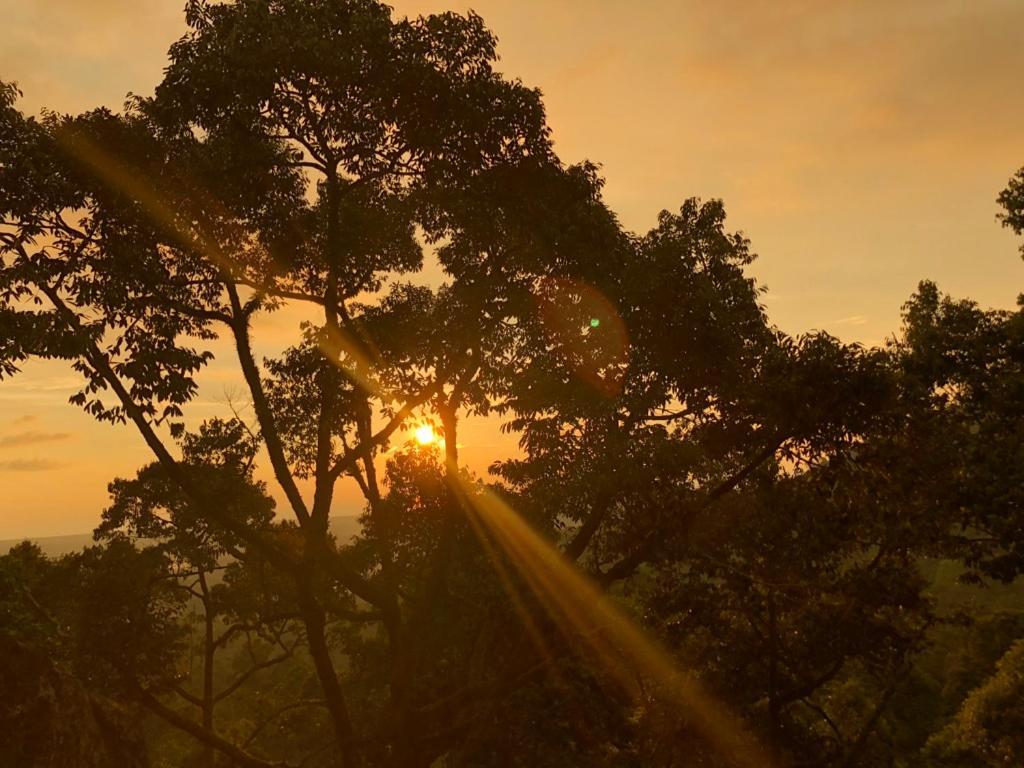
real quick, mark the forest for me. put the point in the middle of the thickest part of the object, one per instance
(717, 544)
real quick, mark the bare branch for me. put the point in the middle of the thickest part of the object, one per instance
(627, 565)
(204, 736)
(102, 366)
(300, 704)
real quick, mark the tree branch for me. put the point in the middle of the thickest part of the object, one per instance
(627, 565)
(268, 427)
(301, 703)
(102, 366)
(209, 738)
(349, 459)
(239, 681)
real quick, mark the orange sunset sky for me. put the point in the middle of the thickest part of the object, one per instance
(860, 144)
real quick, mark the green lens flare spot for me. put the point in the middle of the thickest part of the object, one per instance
(594, 322)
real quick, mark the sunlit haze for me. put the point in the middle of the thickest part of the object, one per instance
(860, 145)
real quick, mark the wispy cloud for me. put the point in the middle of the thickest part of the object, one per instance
(32, 438)
(48, 389)
(851, 320)
(29, 465)
(47, 384)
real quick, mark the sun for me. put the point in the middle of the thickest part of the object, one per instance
(425, 435)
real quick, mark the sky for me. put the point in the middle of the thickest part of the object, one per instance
(859, 144)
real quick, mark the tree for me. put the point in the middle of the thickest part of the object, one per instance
(987, 729)
(801, 596)
(75, 634)
(1011, 200)
(308, 153)
(393, 119)
(965, 366)
(240, 606)
(803, 606)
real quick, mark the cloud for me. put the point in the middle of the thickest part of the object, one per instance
(29, 465)
(52, 384)
(851, 320)
(31, 438)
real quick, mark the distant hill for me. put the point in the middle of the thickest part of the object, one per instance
(942, 575)
(944, 584)
(344, 527)
(53, 546)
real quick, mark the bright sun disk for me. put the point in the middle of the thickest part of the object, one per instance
(425, 434)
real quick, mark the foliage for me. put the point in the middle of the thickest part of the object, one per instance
(987, 729)
(763, 503)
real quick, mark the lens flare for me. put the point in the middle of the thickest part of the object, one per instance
(356, 358)
(580, 610)
(589, 620)
(587, 333)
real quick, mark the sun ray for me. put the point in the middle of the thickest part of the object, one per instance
(584, 614)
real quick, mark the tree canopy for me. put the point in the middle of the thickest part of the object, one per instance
(760, 502)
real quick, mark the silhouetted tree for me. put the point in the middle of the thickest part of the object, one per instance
(76, 634)
(239, 605)
(1011, 200)
(307, 153)
(987, 729)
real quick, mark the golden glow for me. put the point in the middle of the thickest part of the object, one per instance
(589, 620)
(425, 435)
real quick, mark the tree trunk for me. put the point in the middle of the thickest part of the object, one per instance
(314, 619)
(209, 650)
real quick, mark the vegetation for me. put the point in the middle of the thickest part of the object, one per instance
(770, 509)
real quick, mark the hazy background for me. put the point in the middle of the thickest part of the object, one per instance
(860, 145)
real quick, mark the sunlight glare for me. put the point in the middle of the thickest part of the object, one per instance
(584, 614)
(425, 435)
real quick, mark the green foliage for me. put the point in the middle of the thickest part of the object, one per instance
(964, 367)
(987, 729)
(108, 613)
(49, 718)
